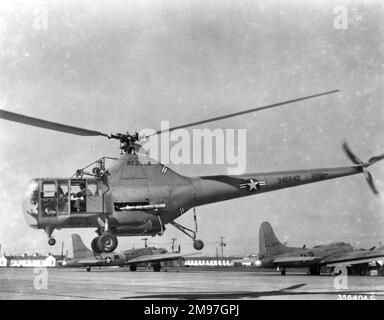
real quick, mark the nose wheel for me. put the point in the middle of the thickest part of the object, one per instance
(51, 241)
(197, 244)
(49, 230)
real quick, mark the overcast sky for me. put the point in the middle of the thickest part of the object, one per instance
(127, 65)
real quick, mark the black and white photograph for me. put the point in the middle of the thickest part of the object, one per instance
(187, 150)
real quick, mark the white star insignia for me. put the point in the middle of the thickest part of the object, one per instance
(108, 260)
(253, 184)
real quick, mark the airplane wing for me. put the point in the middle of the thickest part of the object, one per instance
(355, 257)
(90, 262)
(295, 259)
(159, 257)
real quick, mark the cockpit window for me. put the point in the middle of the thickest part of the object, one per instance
(62, 196)
(93, 187)
(62, 188)
(49, 189)
(79, 193)
(48, 201)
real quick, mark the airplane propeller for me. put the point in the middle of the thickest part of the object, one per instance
(364, 165)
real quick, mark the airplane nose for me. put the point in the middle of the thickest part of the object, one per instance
(258, 263)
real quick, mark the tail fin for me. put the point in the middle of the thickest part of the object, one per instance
(79, 248)
(269, 245)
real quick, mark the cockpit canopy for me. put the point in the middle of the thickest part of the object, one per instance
(50, 198)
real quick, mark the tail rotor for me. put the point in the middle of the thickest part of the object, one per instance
(364, 165)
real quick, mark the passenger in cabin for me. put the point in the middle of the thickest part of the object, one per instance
(80, 203)
(61, 199)
(60, 192)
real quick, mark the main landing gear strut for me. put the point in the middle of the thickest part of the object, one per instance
(105, 241)
(197, 244)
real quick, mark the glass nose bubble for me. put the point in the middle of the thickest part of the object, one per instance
(31, 203)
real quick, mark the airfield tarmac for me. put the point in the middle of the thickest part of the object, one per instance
(18, 283)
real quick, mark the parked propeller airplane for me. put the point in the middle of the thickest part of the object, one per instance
(138, 196)
(83, 257)
(272, 253)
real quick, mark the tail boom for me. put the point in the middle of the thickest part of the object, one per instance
(212, 189)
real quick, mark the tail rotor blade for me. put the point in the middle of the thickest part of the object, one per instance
(364, 165)
(369, 178)
(375, 159)
(351, 155)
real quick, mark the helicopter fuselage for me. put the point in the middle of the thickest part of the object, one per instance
(141, 195)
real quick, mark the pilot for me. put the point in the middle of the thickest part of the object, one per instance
(81, 197)
(61, 198)
(60, 192)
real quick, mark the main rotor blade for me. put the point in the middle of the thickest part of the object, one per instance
(242, 112)
(16, 117)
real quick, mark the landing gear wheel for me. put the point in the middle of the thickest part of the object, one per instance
(88, 269)
(51, 241)
(314, 271)
(107, 242)
(283, 272)
(198, 244)
(95, 246)
(133, 267)
(156, 267)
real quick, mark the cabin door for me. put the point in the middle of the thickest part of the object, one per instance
(95, 197)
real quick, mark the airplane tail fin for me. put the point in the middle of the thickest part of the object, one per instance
(269, 245)
(79, 249)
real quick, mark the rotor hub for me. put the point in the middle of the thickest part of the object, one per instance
(127, 141)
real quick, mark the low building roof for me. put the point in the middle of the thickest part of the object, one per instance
(33, 257)
(28, 257)
(210, 258)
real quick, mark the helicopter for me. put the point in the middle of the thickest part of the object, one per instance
(139, 196)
